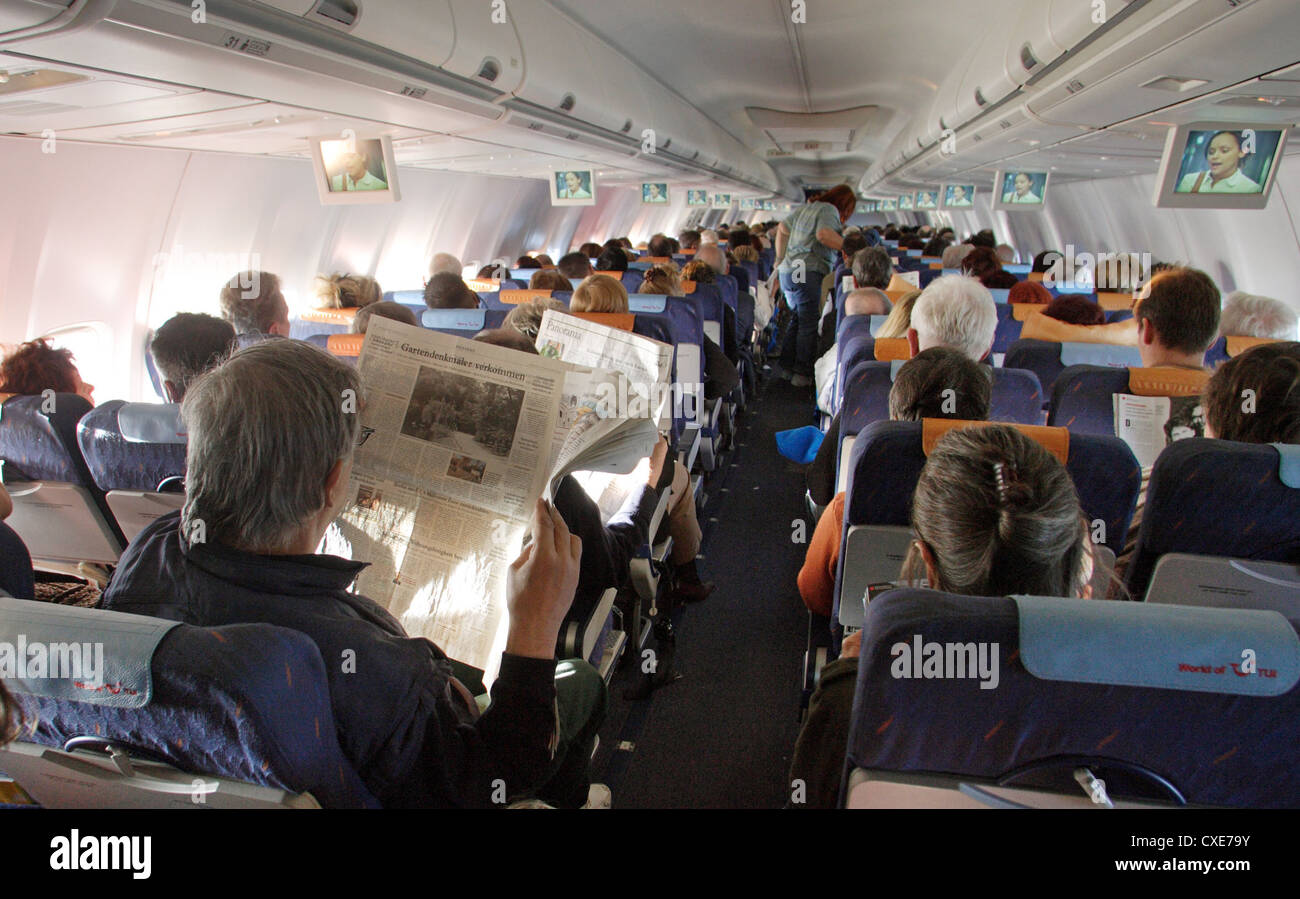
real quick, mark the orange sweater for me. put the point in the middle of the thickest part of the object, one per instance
(817, 577)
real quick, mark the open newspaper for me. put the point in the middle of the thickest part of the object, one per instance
(647, 367)
(1150, 423)
(647, 364)
(466, 437)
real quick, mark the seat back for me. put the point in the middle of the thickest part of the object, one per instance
(131, 450)
(321, 321)
(61, 514)
(686, 333)
(1079, 683)
(227, 706)
(1006, 334)
(463, 322)
(711, 302)
(1185, 579)
(1047, 359)
(1082, 398)
(1218, 498)
(1016, 396)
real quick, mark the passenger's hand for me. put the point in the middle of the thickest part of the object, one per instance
(540, 585)
(851, 648)
(657, 458)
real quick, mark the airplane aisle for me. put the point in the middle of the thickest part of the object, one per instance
(721, 737)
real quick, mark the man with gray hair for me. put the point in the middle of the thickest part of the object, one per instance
(445, 263)
(272, 433)
(873, 268)
(1248, 315)
(955, 311)
(254, 305)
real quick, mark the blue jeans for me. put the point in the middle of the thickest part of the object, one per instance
(799, 347)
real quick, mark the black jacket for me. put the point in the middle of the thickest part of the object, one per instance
(406, 729)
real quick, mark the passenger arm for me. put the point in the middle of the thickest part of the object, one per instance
(782, 239)
(829, 238)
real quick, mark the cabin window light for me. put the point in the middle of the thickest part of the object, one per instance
(489, 69)
(1027, 57)
(979, 98)
(627, 126)
(91, 344)
(567, 103)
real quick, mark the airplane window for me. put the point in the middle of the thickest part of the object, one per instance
(91, 344)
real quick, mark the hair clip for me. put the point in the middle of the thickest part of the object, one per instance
(1004, 473)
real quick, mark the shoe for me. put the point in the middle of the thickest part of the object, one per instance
(599, 796)
(801, 381)
(697, 592)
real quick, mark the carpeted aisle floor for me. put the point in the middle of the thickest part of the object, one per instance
(721, 737)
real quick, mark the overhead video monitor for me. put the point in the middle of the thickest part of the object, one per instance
(654, 192)
(722, 201)
(1217, 165)
(905, 201)
(697, 198)
(573, 187)
(888, 205)
(354, 170)
(1020, 190)
(927, 199)
(958, 196)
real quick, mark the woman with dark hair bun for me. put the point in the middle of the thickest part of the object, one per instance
(994, 514)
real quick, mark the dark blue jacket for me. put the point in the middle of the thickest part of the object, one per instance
(406, 729)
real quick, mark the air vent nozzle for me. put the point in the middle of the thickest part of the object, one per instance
(1027, 57)
(337, 12)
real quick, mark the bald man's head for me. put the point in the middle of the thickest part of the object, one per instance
(712, 254)
(867, 301)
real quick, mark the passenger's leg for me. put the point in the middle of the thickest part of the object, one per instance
(806, 337)
(16, 577)
(684, 527)
(683, 524)
(580, 697)
(789, 334)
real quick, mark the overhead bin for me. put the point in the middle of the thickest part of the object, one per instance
(1165, 53)
(1046, 31)
(486, 49)
(986, 81)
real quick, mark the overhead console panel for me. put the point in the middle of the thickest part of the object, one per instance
(446, 66)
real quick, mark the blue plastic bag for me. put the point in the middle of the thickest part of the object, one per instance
(800, 444)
